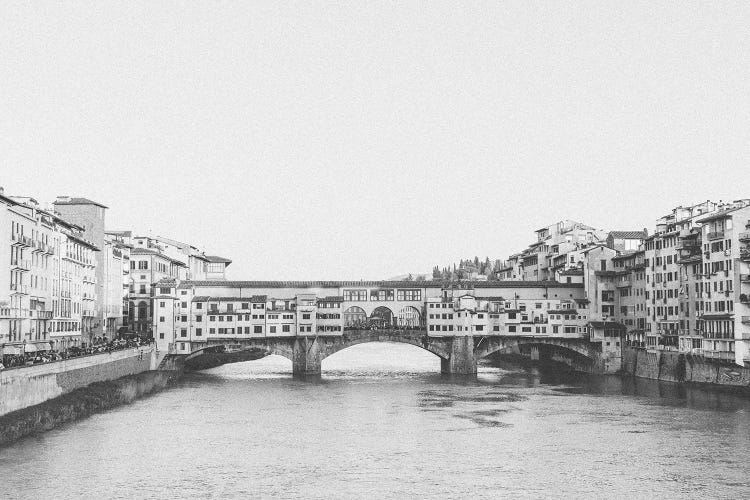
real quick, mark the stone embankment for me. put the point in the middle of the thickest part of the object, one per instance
(30, 385)
(80, 403)
(672, 366)
(40, 397)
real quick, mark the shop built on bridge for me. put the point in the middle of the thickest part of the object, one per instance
(460, 323)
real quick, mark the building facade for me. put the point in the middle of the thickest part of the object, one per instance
(48, 292)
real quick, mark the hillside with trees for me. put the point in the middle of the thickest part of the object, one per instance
(468, 268)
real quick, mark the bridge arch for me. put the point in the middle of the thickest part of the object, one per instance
(354, 316)
(489, 345)
(437, 347)
(409, 317)
(382, 317)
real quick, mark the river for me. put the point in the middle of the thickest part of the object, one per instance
(382, 423)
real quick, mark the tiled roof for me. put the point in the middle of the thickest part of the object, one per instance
(207, 298)
(492, 298)
(78, 201)
(628, 235)
(572, 272)
(83, 242)
(607, 324)
(719, 215)
(216, 258)
(148, 251)
(332, 298)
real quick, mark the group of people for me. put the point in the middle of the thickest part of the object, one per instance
(99, 345)
(368, 324)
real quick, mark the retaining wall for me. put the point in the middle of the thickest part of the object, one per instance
(673, 366)
(31, 385)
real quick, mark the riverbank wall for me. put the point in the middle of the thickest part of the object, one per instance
(80, 403)
(672, 366)
(27, 386)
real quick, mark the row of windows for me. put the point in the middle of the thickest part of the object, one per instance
(379, 295)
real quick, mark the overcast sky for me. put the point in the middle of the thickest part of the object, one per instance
(362, 140)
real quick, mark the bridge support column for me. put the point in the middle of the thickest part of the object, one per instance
(306, 356)
(462, 360)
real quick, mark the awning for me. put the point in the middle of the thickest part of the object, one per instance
(30, 348)
(11, 349)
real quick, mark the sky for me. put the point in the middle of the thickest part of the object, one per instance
(363, 140)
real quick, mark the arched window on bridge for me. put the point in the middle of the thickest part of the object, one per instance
(382, 317)
(355, 317)
(409, 317)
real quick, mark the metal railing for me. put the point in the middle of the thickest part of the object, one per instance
(715, 235)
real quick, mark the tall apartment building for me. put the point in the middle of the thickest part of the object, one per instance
(630, 287)
(723, 319)
(47, 295)
(89, 215)
(115, 259)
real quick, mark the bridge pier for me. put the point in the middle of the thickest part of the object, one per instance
(462, 360)
(306, 356)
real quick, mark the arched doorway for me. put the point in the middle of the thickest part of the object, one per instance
(355, 317)
(143, 311)
(409, 317)
(382, 317)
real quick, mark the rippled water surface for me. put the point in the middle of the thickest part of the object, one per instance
(382, 423)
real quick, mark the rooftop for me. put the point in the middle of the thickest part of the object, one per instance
(67, 200)
(148, 251)
(253, 298)
(628, 235)
(217, 259)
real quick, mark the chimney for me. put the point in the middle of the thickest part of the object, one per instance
(2, 191)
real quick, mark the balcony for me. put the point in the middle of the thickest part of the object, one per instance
(21, 265)
(745, 254)
(41, 314)
(687, 244)
(745, 298)
(16, 289)
(744, 236)
(745, 278)
(745, 319)
(21, 240)
(716, 235)
(625, 283)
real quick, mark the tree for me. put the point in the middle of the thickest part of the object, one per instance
(436, 274)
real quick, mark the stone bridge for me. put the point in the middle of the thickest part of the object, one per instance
(458, 354)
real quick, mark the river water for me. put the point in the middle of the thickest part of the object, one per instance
(382, 423)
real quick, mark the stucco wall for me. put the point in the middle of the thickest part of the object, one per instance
(31, 385)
